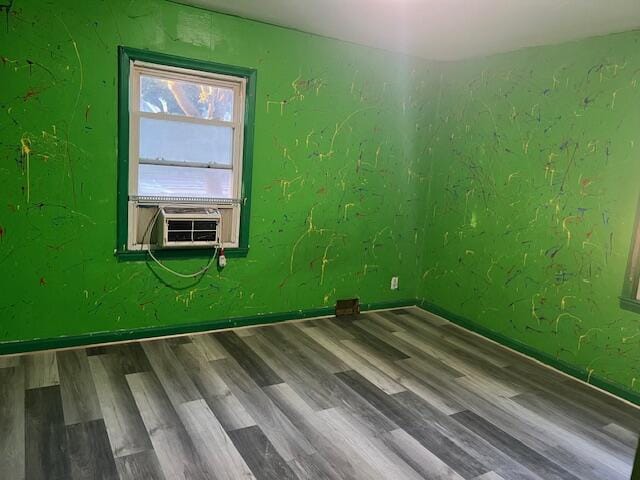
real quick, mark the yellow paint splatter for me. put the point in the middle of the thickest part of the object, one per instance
(25, 149)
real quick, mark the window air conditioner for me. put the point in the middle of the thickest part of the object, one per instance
(188, 227)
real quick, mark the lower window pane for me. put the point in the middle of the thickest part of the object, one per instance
(166, 181)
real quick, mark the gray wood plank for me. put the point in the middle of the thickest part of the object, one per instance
(12, 423)
(419, 458)
(286, 439)
(489, 476)
(175, 450)
(302, 349)
(260, 455)
(41, 370)
(426, 317)
(347, 430)
(313, 467)
(138, 466)
(127, 433)
(251, 362)
(7, 361)
(224, 404)
(170, 372)
(297, 375)
(208, 346)
(623, 435)
(513, 447)
(89, 452)
(612, 451)
(542, 433)
(444, 370)
(405, 377)
(385, 404)
(374, 375)
(212, 442)
(79, 398)
(349, 464)
(461, 342)
(467, 365)
(307, 375)
(422, 422)
(46, 443)
(386, 320)
(386, 350)
(463, 450)
(130, 357)
(245, 331)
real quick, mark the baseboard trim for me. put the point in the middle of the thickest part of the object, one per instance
(101, 338)
(576, 372)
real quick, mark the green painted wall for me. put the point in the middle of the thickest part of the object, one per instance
(501, 189)
(532, 191)
(334, 189)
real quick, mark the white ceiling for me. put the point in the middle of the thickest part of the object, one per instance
(442, 29)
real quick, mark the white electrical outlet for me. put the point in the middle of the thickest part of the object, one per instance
(394, 283)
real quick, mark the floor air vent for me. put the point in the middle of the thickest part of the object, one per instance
(349, 306)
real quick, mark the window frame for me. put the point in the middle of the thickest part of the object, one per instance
(126, 56)
(630, 298)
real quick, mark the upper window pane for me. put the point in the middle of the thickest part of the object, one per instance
(178, 97)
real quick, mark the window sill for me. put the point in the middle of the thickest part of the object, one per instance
(630, 304)
(142, 255)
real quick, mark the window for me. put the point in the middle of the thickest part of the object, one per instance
(185, 140)
(630, 298)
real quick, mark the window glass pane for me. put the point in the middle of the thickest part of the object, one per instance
(184, 182)
(185, 142)
(177, 97)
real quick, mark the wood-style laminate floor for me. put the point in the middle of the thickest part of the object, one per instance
(400, 394)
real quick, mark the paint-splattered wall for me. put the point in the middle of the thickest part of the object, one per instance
(516, 175)
(532, 187)
(334, 192)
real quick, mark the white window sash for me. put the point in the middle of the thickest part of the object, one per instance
(177, 163)
(172, 117)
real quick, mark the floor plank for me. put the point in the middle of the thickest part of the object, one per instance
(175, 450)
(79, 398)
(212, 442)
(41, 370)
(127, 433)
(419, 458)
(174, 379)
(46, 443)
(12, 422)
(89, 452)
(513, 447)
(222, 402)
(141, 465)
(260, 454)
(383, 462)
(286, 439)
(251, 362)
(382, 380)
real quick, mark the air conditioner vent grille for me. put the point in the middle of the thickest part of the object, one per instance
(184, 227)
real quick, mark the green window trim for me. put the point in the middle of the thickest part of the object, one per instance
(125, 56)
(629, 298)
